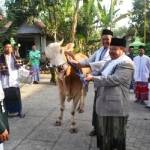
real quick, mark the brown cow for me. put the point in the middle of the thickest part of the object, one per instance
(70, 85)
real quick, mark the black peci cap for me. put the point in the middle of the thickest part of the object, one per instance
(118, 42)
(131, 46)
(6, 42)
(107, 32)
(141, 47)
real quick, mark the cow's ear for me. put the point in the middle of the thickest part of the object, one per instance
(69, 47)
(60, 43)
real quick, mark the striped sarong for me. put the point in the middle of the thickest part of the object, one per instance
(111, 132)
(141, 91)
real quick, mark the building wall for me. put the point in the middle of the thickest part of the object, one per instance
(37, 40)
(43, 43)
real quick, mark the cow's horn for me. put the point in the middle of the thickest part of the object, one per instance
(60, 43)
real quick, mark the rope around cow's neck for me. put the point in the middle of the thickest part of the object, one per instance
(80, 75)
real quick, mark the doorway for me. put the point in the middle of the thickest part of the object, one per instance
(26, 46)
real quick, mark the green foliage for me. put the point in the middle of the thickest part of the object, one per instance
(57, 15)
(86, 29)
(147, 49)
(108, 18)
(137, 17)
(122, 31)
(1, 48)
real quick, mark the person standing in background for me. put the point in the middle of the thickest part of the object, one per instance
(9, 66)
(141, 75)
(34, 57)
(16, 50)
(130, 52)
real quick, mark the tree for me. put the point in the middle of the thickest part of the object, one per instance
(21, 11)
(141, 10)
(108, 18)
(74, 21)
(87, 34)
(66, 19)
(121, 31)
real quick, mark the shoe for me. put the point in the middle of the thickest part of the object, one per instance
(21, 115)
(35, 82)
(136, 101)
(92, 133)
(147, 106)
(142, 102)
(52, 83)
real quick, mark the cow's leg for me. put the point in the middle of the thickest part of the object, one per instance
(81, 102)
(73, 128)
(62, 107)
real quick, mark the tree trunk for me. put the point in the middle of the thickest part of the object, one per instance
(55, 22)
(74, 21)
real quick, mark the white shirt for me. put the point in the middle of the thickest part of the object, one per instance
(1, 92)
(1, 146)
(98, 64)
(102, 54)
(142, 68)
(10, 80)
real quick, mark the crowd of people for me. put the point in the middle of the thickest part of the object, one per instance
(114, 71)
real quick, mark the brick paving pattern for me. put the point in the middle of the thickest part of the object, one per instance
(37, 131)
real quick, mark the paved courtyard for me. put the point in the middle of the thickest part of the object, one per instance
(37, 131)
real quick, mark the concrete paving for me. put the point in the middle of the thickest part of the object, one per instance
(37, 131)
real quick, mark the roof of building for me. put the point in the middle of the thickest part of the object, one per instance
(28, 29)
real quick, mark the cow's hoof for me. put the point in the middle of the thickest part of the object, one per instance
(80, 110)
(58, 123)
(73, 130)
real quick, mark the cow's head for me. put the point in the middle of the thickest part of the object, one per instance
(55, 52)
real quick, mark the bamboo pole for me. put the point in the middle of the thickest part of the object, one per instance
(145, 21)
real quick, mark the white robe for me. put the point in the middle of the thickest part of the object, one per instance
(95, 62)
(12, 79)
(1, 92)
(1, 146)
(142, 68)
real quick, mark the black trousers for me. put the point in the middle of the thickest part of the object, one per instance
(94, 115)
(111, 133)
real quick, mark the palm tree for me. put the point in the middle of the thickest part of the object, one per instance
(108, 18)
(74, 21)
